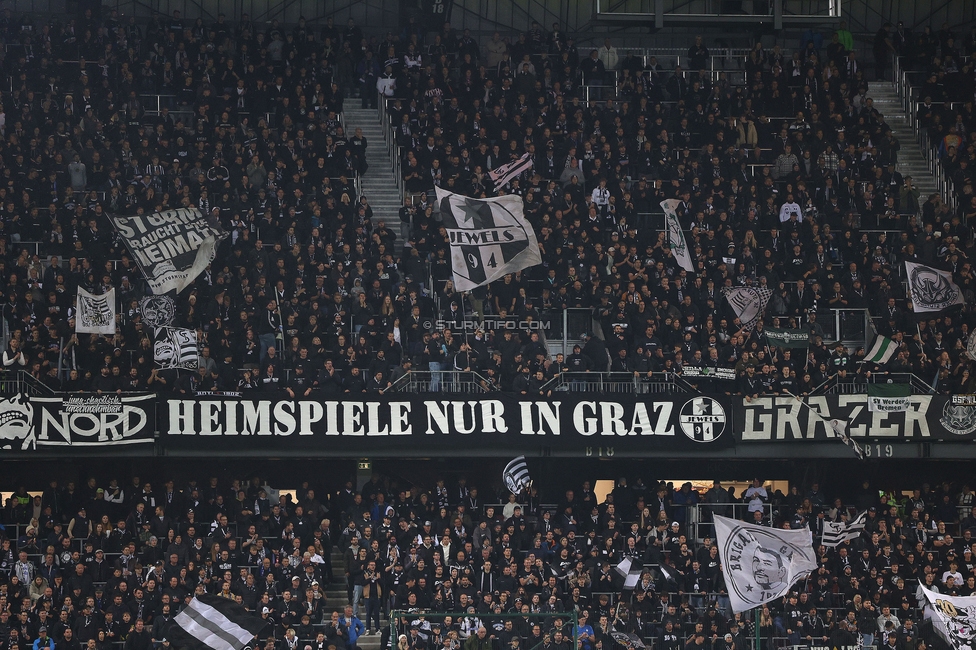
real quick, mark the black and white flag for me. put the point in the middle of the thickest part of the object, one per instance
(489, 238)
(761, 563)
(508, 171)
(95, 314)
(836, 533)
(157, 311)
(176, 348)
(213, 623)
(172, 247)
(676, 236)
(931, 289)
(631, 571)
(748, 303)
(516, 475)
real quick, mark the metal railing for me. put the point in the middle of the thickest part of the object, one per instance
(442, 381)
(617, 382)
(859, 386)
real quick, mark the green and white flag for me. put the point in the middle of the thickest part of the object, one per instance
(787, 338)
(676, 236)
(889, 398)
(879, 348)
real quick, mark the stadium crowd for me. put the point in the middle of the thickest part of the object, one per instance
(787, 181)
(99, 567)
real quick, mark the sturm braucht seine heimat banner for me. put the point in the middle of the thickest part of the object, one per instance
(172, 247)
(928, 417)
(76, 421)
(432, 421)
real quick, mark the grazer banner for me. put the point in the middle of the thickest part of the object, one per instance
(76, 421)
(439, 421)
(172, 247)
(929, 417)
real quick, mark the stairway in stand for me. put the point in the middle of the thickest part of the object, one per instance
(911, 162)
(379, 183)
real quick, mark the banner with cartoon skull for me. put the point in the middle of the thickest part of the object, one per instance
(76, 421)
(953, 618)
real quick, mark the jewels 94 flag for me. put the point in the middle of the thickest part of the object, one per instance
(676, 236)
(953, 618)
(761, 563)
(95, 314)
(932, 289)
(489, 238)
(505, 173)
(213, 623)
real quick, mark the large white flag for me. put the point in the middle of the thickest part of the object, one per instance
(953, 618)
(490, 238)
(748, 303)
(95, 314)
(932, 289)
(761, 563)
(676, 236)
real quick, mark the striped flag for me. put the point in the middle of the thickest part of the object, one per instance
(837, 532)
(213, 623)
(881, 348)
(516, 475)
(508, 171)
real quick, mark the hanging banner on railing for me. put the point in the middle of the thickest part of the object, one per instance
(76, 421)
(786, 418)
(437, 421)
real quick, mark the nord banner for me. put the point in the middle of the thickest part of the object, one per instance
(433, 421)
(76, 421)
(929, 417)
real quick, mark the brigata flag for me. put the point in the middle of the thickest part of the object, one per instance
(787, 338)
(748, 303)
(836, 533)
(213, 623)
(508, 171)
(953, 618)
(171, 247)
(489, 238)
(889, 398)
(95, 314)
(761, 563)
(676, 236)
(931, 289)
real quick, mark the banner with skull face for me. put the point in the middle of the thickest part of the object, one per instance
(176, 348)
(931, 289)
(953, 618)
